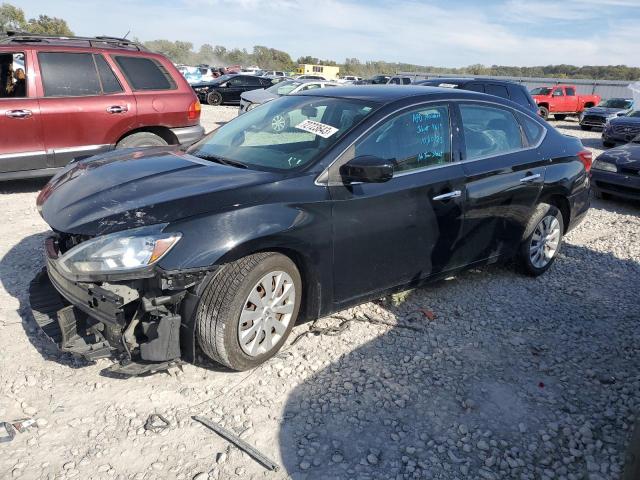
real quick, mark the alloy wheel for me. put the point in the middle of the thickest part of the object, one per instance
(266, 313)
(544, 241)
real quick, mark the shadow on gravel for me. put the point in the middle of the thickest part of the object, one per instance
(515, 378)
(23, 186)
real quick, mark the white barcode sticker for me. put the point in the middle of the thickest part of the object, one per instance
(324, 130)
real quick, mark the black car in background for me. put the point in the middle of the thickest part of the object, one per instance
(500, 88)
(226, 245)
(606, 110)
(375, 80)
(228, 88)
(617, 172)
(621, 129)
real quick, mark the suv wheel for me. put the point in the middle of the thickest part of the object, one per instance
(214, 98)
(141, 139)
(544, 237)
(248, 310)
(544, 112)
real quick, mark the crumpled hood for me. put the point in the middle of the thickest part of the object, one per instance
(625, 121)
(259, 96)
(131, 188)
(624, 156)
(602, 111)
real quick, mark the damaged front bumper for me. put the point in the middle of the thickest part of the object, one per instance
(146, 324)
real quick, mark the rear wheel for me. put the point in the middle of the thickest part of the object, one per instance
(214, 98)
(248, 310)
(585, 127)
(544, 112)
(141, 139)
(559, 116)
(544, 232)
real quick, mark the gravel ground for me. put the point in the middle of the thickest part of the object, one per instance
(486, 375)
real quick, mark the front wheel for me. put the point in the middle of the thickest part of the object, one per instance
(214, 98)
(544, 112)
(544, 233)
(248, 310)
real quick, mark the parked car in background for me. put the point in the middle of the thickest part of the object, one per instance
(621, 129)
(228, 88)
(375, 80)
(347, 79)
(273, 73)
(513, 91)
(254, 98)
(399, 80)
(311, 77)
(251, 71)
(617, 171)
(230, 243)
(562, 100)
(605, 111)
(84, 96)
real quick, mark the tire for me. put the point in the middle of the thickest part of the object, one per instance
(608, 144)
(545, 218)
(585, 127)
(229, 296)
(280, 123)
(214, 98)
(559, 116)
(142, 139)
(544, 112)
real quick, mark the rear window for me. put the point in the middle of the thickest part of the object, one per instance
(145, 73)
(68, 74)
(497, 90)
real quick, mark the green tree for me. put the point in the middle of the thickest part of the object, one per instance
(48, 25)
(11, 18)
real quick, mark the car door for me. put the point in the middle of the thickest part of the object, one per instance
(85, 109)
(22, 145)
(403, 230)
(558, 103)
(571, 100)
(503, 178)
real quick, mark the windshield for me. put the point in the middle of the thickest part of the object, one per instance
(379, 80)
(284, 134)
(620, 103)
(541, 91)
(284, 88)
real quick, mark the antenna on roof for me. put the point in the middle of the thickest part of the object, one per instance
(126, 34)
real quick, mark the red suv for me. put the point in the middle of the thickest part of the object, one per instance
(72, 97)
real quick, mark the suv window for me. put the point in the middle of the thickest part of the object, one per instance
(145, 73)
(489, 131)
(13, 80)
(571, 92)
(406, 81)
(558, 92)
(518, 96)
(497, 90)
(68, 74)
(415, 139)
(109, 81)
(475, 87)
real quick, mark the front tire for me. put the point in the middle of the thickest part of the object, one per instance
(543, 239)
(142, 139)
(544, 112)
(214, 98)
(248, 310)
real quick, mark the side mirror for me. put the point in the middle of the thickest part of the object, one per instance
(367, 169)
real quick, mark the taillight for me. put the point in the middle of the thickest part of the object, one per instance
(586, 157)
(194, 110)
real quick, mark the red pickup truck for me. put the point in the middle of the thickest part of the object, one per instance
(562, 100)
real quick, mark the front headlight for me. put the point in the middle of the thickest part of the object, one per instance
(120, 252)
(251, 106)
(605, 166)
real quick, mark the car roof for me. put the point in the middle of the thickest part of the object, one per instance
(393, 93)
(468, 79)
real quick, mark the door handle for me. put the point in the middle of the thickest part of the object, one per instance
(117, 109)
(19, 113)
(530, 178)
(447, 196)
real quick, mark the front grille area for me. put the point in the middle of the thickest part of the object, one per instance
(593, 119)
(612, 187)
(627, 129)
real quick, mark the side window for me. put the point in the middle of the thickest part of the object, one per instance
(406, 81)
(532, 129)
(497, 90)
(558, 92)
(68, 74)
(489, 131)
(518, 96)
(310, 86)
(415, 139)
(145, 73)
(237, 81)
(571, 92)
(110, 83)
(13, 78)
(253, 82)
(474, 87)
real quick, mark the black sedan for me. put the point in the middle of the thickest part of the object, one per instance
(228, 88)
(621, 129)
(227, 245)
(617, 172)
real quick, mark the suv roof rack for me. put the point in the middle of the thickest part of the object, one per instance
(113, 42)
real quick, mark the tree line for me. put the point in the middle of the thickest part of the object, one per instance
(13, 18)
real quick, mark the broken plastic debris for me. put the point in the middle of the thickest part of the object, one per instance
(156, 423)
(14, 427)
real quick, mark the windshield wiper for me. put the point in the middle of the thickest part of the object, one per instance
(221, 160)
